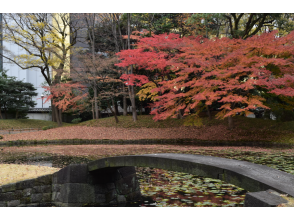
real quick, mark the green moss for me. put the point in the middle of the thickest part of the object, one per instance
(9, 188)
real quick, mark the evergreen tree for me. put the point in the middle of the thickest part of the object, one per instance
(15, 96)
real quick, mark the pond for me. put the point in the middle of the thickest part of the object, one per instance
(162, 188)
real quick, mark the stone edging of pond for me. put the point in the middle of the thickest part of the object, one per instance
(196, 142)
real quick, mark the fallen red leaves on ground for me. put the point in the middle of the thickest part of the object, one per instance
(98, 151)
(218, 132)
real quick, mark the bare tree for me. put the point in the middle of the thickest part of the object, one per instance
(100, 74)
(131, 88)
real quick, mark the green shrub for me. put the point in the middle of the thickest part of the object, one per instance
(48, 127)
(1, 137)
(76, 120)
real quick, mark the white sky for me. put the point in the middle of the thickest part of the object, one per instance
(145, 6)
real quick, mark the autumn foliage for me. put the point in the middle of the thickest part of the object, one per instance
(67, 96)
(197, 70)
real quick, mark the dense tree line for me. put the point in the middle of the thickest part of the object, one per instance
(109, 35)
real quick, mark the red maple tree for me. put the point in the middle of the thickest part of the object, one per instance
(216, 70)
(67, 96)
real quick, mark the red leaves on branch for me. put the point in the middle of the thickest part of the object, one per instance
(132, 79)
(67, 95)
(224, 70)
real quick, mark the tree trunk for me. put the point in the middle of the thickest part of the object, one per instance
(95, 101)
(132, 98)
(125, 112)
(131, 88)
(60, 117)
(53, 113)
(231, 124)
(1, 113)
(93, 111)
(267, 114)
(208, 112)
(113, 111)
(181, 114)
(116, 108)
(141, 109)
(57, 114)
(16, 115)
(91, 33)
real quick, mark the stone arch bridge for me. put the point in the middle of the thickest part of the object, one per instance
(113, 181)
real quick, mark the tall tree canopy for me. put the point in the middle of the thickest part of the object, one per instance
(218, 70)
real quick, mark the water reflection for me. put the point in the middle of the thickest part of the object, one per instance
(41, 163)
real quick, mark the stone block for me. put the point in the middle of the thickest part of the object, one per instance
(75, 173)
(263, 199)
(54, 178)
(133, 196)
(56, 187)
(98, 164)
(9, 187)
(44, 180)
(13, 203)
(28, 192)
(37, 189)
(101, 188)
(100, 198)
(25, 184)
(77, 193)
(18, 194)
(56, 197)
(121, 199)
(46, 204)
(112, 203)
(7, 196)
(111, 195)
(126, 185)
(25, 200)
(2, 204)
(36, 198)
(33, 205)
(46, 189)
(47, 197)
(127, 171)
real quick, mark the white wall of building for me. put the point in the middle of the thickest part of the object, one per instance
(40, 116)
(32, 75)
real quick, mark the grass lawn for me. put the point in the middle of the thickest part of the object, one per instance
(26, 123)
(281, 132)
